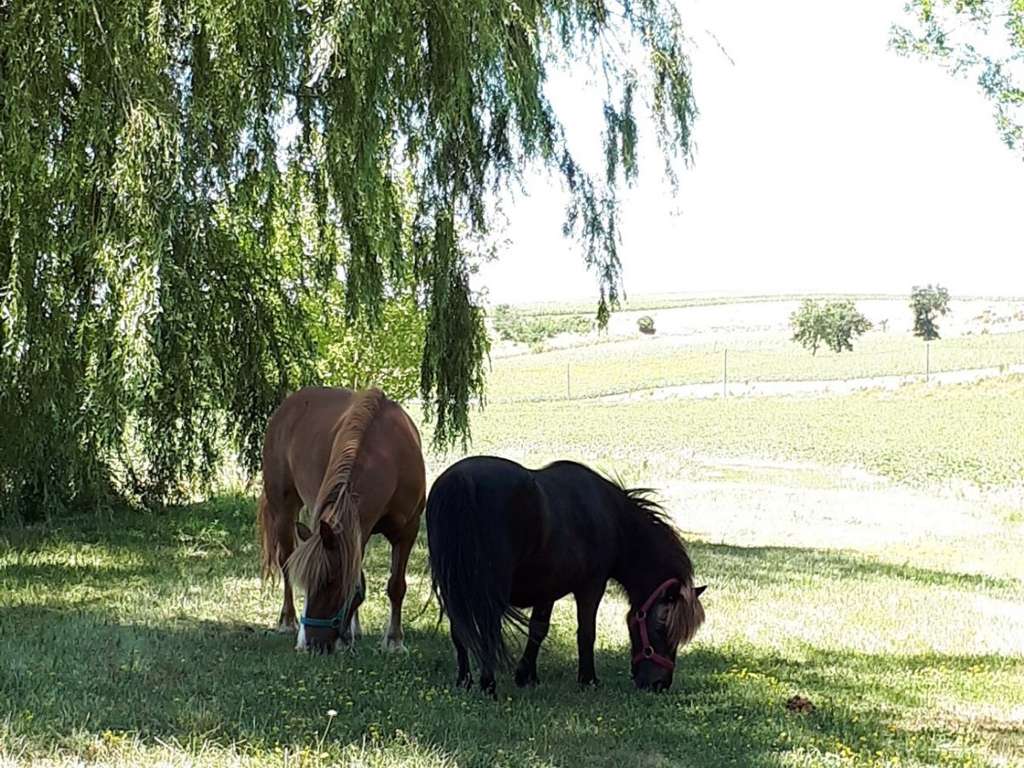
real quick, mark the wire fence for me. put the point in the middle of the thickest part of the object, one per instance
(586, 373)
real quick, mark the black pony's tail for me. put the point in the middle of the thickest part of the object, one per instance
(468, 576)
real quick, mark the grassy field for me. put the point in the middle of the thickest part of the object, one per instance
(632, 365)
(141, 638)
(916, 434)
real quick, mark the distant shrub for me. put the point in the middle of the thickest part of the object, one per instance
(646, 324)
(534, 330)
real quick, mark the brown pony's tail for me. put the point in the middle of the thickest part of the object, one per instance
(268, 539)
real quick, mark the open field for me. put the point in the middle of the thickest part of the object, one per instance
(700, 340)
(862, 551)
(916, 434)
(737, 320)
(641, 364)
(652, 302)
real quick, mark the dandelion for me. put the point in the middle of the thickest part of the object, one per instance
(331, 714)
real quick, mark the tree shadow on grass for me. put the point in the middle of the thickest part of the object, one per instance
(67, 671)
(74, 667)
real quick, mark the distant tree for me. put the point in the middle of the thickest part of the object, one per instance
(646, 325)
(833, 323)
(928, 303)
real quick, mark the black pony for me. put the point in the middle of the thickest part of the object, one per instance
(503, 537)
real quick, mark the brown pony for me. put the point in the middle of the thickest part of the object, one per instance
(354, 460)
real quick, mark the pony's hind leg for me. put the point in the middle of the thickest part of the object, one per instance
(487, 684)
(400, 550)
(284, 511)
(488, 658)
(540, 620)
(463, 677)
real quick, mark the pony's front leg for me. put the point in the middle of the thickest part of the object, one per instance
(354, 631)
(586, 632)
(540, 620)
(396, 585)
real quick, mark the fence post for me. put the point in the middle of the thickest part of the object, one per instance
(725, 373)
(927, 360)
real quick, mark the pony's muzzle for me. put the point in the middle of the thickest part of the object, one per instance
(655, 686)
(647, 677)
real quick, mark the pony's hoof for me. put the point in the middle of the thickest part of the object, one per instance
(392, 645)
(464, 683)
(588, 683)
(287, 628)
(527, 678)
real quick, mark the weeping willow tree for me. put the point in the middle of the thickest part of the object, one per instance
(191, 190)
(983, 39)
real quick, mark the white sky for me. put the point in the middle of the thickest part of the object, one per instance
(824, 162)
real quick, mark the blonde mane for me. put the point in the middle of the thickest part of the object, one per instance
(310, 565)
(683, 617)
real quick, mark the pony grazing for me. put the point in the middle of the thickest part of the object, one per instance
(503, 538)
(354, 459)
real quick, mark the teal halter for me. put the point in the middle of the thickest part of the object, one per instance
(339, 618)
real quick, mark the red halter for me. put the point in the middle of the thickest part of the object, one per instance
(647, 652)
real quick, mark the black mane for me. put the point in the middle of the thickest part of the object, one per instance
(642, 503)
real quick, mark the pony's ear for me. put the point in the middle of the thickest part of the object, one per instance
(303, 531)
(697, 590)
(328, 536)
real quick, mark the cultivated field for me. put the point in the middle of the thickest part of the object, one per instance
(862, 551)
(749, 342)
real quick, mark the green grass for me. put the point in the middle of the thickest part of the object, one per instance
(916, 434)
(142, 639)
(628, 366)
